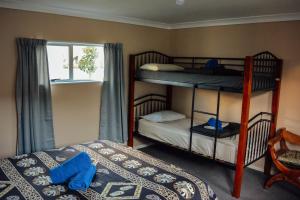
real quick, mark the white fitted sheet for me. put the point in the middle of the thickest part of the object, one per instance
(177, 133)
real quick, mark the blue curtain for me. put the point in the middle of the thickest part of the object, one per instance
(113, 123)
(33, 97)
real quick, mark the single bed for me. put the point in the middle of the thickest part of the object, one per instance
(122, 173)
(177, 133)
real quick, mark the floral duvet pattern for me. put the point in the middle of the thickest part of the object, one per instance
(122, 173)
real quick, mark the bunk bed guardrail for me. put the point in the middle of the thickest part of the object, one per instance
(258, 130)
(263, 63)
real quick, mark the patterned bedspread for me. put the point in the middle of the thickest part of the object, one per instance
(122, 173)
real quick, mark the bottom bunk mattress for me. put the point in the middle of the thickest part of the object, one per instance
(122, 173)
(177, 133)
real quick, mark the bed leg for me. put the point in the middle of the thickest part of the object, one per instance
(244, 127)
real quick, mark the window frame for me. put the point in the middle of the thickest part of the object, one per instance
(71, 59)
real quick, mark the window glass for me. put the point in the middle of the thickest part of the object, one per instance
(58, 58)
(88, 63)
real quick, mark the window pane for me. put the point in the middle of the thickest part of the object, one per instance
(88, 63)
(58, 58)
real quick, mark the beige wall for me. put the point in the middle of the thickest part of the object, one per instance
(282, 39)
(75, 112)
(75, 119)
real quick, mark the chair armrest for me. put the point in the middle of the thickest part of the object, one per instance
(291, 137)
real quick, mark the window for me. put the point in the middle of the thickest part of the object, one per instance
(72, 62)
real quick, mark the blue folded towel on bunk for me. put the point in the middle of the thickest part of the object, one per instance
(69, 168)
(212, 122)
(212, 63)
(83, 179)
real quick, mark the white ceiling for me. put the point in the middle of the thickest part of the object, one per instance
(165, 13)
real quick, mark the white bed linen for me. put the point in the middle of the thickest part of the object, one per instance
(177, 133)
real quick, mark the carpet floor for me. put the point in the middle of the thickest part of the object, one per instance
(220, 178)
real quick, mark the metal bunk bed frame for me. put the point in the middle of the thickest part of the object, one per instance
(254, 133)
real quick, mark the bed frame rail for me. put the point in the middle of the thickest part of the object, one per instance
(257, 137)
(198, 62)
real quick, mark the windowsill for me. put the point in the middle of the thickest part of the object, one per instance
(59, 82)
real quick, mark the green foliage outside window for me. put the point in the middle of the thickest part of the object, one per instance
(87, 62)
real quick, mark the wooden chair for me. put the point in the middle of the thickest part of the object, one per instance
(286, 161)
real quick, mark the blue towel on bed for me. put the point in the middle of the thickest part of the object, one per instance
(212, 63)
(212, 122)
(70, 167)
(83, 179)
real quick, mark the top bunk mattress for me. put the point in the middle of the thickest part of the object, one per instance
(230, 83)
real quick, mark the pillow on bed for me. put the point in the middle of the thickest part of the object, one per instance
(164, 116)
(161, 67)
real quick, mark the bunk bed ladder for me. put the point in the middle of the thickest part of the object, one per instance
(206, 113)
(192, 118)
(216, 127)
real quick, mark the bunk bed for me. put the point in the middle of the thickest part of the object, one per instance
(248, 139)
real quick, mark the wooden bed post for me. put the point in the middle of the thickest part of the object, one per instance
(275, 108)
(169, 97)
(244, 126)
(131, 100)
